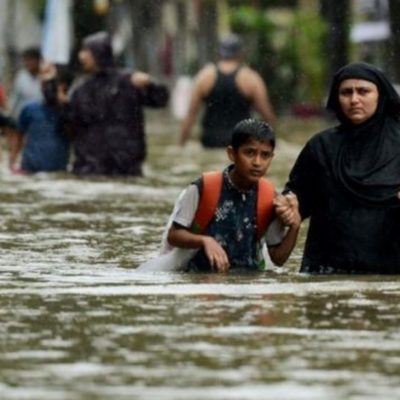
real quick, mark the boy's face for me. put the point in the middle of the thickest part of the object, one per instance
(252, 160)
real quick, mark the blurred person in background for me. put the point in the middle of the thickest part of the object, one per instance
(42, 124)
(7, 125)
(3, 110)
(107, 112)
(26, 87)
(27, 84)
(229, 91)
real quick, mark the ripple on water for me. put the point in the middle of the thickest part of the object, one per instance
(78, 322)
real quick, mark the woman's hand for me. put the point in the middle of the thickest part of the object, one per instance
(287, 209)
(140, 79)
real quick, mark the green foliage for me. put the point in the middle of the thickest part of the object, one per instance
(246, 19)
(258, 32)
(289, 58)
(309, 35)
(38, 6)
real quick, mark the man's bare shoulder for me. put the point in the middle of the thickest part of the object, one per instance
(249, 80)
(247, 72)
(207, 72)
(205, 79)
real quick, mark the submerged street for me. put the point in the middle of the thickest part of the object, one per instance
(78, 322)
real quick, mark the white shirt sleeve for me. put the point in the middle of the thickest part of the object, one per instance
(186, 207)
(275, 233)
(183, 213)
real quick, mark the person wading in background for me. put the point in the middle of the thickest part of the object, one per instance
(26, 88)
(229, 91)
(106, 112)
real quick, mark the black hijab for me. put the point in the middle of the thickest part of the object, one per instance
(99, 44)
(368, 160)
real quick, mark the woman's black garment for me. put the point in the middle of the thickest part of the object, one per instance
(225, 106)
(107, 115)
(344, 235)
(6, 121)
(368, 163)
(3, 120)
(347, 180)
(108, 118)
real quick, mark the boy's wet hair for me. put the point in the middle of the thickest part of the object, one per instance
(252, 129)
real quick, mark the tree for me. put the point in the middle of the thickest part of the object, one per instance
(146, 22)
(337, 14)
(208, 37)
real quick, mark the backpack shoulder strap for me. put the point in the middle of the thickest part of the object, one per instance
(265, 208)
(211, 192)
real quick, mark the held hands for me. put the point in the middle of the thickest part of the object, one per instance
(216, 254)
(287, 209)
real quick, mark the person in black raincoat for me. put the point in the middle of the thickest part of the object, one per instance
(347, 178)
(106, 112)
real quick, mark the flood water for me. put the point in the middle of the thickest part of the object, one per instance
(78, 322)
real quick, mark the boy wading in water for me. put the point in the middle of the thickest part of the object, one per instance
(228, 216)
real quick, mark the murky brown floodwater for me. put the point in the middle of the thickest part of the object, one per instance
(77, 321)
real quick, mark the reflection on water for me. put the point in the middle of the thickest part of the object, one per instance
(77, 321)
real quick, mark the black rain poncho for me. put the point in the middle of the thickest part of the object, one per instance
(347, 180)
(107, 116)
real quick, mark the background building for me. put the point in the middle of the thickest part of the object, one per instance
(295, 45)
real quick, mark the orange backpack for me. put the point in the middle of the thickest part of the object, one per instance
(211, 192)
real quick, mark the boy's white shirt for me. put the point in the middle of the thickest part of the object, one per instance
(171, 258)
(183, 214)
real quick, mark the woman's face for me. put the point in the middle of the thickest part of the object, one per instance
(358, 99)
(87, 60)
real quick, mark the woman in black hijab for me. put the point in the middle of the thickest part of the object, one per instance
(347, 178)
(107, 112)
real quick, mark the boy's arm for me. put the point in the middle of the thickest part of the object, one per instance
(287, 210)
(182, 237)
(280, 253)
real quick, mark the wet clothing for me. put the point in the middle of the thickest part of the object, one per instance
(4, 120)
(233, 226)
(100, 45)
(347, 179)
(107, 116)
(7, 122)
(368, 162)
(225, 106)
(46, 145)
